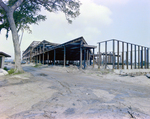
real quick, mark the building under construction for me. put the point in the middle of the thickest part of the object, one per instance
(112, 54)
(76, 52)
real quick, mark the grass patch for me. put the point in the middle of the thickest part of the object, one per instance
(37, 65)
(11, 71)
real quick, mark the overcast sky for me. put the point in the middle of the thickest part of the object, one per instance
(126, 20)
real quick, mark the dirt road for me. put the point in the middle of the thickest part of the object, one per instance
(57, 94)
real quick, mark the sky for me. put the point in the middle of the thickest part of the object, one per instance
(99, 20)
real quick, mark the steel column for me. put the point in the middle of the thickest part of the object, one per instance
(105, 54)
(81, 55)
(47, 57)
(117, 54)
(43, 53)
(84, 57)
(131, 56)
(113, 53)
(135, 57)
(99, 57)
(145, 58)
(142, 57)
(93, 57)
(54, 56)
(39, 58)
(64, 56)
(122, 55)
(127, 56)
(138, 57)
(87, 53)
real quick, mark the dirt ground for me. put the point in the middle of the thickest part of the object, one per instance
(70, 93)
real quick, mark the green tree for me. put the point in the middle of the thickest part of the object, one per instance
(19, 14)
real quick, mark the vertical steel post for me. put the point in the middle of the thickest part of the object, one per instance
(99, 57)
(117, 54)
(84, 57)
(48, 58)
(81, 55)
(54, 56)
(127, 56)
(142, 57)
(138, 57)
(131, 56)
(93, 57)
(43, 53)
(87, 57)
(145, 58)
(135, 57)
(64, 56)
(113, 53)
(40, 55)
(122, 55)
(105, 54)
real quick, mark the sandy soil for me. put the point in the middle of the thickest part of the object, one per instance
(70, 93)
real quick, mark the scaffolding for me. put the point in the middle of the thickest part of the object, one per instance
(123, 55)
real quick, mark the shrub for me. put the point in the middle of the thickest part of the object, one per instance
(5, 68)
(11, 71)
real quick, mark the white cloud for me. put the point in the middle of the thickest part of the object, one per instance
(89, 24)
(111, 2)
(92, 20)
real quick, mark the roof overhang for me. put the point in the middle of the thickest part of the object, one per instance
(4, 54)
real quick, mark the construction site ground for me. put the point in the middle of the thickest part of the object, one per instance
(57, 92)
